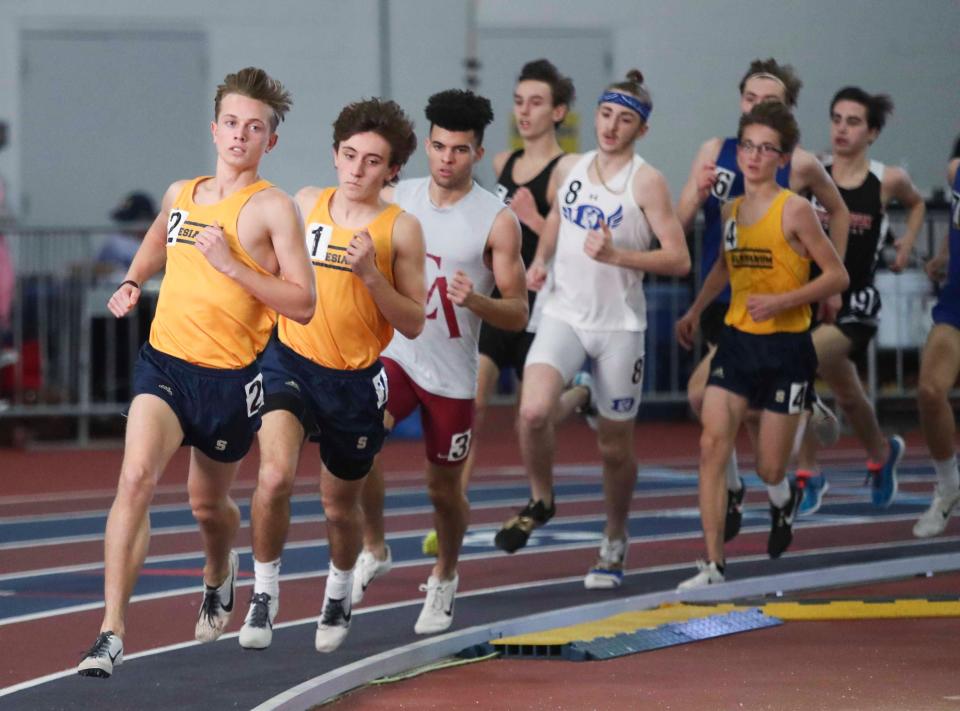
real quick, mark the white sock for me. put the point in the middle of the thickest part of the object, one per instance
(339, 585)
(266, 577)
(779, 493)
(733, 473)
(948, 476)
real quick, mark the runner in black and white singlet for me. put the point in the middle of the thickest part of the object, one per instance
(867, 186)
(609, 206)
(715, 179)
(472, 243)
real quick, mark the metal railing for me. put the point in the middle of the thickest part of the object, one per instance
(63, 355)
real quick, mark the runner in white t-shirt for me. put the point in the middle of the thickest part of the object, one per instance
(473, 244)
(609, 207)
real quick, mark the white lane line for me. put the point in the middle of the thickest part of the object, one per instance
(530, 550)
(319, 518)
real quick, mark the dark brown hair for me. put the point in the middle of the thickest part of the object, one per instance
(382, 117)
(878, 106)
(561, 87)
(784, 72)
(774, 115)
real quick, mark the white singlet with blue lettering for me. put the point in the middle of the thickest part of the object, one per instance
(587, 294)
(443, 358)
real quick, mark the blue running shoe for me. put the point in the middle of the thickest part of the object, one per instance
(884, 484)
(814, 488)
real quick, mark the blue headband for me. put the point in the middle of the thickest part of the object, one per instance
(631, 102)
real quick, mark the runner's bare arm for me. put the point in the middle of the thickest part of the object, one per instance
(898, 185)
(813, 177)
(547, 244)
(510, 311)
(292, 292)
(801, 223)
(150, 258)
(403, 304)
(703, 174)
(672, 258)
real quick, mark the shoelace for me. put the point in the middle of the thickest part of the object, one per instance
(611, 553)
(260, 610)
(211, 601)
(333, 613)
(100, 648)
(434, 598)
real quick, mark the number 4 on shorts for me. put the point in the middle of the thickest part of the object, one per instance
(798, 399)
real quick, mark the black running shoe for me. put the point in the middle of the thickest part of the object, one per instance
(731, 526)
(515, 532)
(781, 524)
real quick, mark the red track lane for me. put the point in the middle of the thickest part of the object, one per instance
(188, 542)
(154, 623)
(52, 644)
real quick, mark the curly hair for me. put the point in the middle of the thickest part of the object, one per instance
(460, 110)
(777, 116)
(382, 117)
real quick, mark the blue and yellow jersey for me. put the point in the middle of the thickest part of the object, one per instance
(728, 186)
(347, 331)
(761, 261)
(205, 317)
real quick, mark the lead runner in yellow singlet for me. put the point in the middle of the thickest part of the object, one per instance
(233, 255)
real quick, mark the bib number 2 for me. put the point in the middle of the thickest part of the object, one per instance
(254, 390)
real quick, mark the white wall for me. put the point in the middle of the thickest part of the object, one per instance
(694, 52)
(327, 52)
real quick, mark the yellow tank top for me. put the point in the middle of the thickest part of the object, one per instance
(205, 317)
(347, 331)
(761, 261)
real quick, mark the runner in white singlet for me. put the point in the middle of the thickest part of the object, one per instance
(472, 243)
(599, 235)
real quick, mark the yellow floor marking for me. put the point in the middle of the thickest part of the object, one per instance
(648, 619)
(618, 624)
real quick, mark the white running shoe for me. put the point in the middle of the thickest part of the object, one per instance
(823, 423)
(437, 612)
(709, 574)
(583, 379)
(607, 572)
(214, 610)
(257, 630)
(333, 624)
(105, 654)
(367, 570)
(933, 522)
